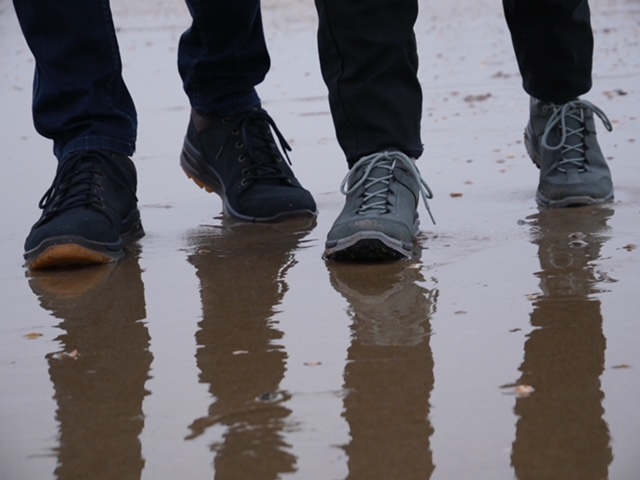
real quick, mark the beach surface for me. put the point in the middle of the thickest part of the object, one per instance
(506, 349)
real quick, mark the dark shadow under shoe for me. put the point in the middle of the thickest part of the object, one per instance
(89, 212)
(380, 219)
(561, 140)
(237, 158)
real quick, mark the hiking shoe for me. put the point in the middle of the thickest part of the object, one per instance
(561, 141)
(89, 211)
(237, 158)
(380, 219)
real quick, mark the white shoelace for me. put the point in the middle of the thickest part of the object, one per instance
(377, 199)
(573, 109)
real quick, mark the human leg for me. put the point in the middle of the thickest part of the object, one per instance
(553, 42)
(369, 62)
(81, 103)
(80, 100)
(230, 147)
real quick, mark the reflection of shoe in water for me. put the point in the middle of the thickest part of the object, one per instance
(569, 242)
(99, 290)
(237, 238)
(68, 283)
(388, 304)
(246, 262)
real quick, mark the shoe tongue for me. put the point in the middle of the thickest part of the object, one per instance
(574, 122)
(75, 183)
(381, 170)
(264, 154)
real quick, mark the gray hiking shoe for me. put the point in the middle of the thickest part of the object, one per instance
(379, 220)
(561, 141)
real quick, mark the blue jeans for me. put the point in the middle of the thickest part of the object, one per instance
(368, 58)
(80, 100)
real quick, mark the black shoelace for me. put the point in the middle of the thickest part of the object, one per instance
(263, 156)
(78, 182)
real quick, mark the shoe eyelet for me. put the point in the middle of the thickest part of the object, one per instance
(245, 171)
(235, 131)
(239, 145)
(242, 158)
(244, 182)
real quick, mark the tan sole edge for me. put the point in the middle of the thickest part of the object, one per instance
(68, 254)
(202, 185)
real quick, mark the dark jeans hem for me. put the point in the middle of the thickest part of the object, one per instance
(230, 107)
(121, 147)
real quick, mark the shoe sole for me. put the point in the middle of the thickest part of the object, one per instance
(75, 250)
(574, 201)
(571, 201)
(190, 159)
(366, 247)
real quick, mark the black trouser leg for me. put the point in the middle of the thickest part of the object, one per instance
(369, 62)
(553, 42)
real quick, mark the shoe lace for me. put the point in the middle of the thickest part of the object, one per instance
(571, 143)
(377, 187)
(264, 157)
(76, 183)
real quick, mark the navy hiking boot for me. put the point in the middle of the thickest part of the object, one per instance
(380, 219)
(561, 141)
(89, 212)
(237, 158)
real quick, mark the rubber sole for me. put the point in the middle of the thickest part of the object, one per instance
(75, 250)
(367, 247)
(68, 254)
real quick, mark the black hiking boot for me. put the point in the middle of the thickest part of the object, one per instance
(237, 158)
(89, 212)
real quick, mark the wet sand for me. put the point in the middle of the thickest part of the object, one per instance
(506, 349)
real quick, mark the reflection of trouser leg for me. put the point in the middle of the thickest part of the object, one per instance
(242, 271)
(387, 408)
(389, 373)
(80, 100)
(553, 42)
(369, 62)
(99, 380)
(561, 432)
